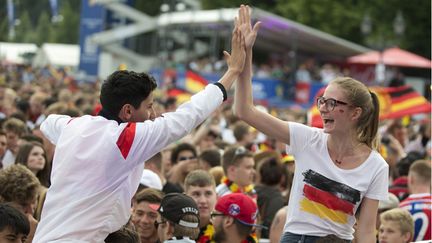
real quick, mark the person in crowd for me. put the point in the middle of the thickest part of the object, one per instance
(397, 226)
(419, 202)
(243, 135)
(337, 167)
(126, 234)
(238, 165)
(33, 156)
(385, 205)
(37, 107)
(209, 158)
(20, 188)
(217, 173)
(178, 219)
(3, 147)
(100, 159)
(234, 218)
(270, 198)
(399, 186)
(14, 129)
(143, 216)
(155, 164)
(184, 159)
(14, 225)
(200, 186)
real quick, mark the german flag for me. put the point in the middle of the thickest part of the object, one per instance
(180, 95)
(194, 82)
(328, 199)
(394, 102)
(397, 102)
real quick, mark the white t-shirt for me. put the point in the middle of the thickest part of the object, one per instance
(324, 197)
(98, 165)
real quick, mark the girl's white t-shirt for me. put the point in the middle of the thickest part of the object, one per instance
(324, 198)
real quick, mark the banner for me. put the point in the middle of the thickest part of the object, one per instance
(92, 21)
(395, 102)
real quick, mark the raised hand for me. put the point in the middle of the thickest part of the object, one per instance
(236, 60)
(245, 26)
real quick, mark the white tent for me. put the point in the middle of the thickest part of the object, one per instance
(57, 55)
(13, 52)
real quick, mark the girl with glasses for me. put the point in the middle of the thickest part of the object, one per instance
(338, 170)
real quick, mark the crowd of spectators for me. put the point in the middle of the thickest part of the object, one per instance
(222, 156)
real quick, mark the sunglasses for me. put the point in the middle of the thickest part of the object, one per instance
(186, 158)
(329, 103)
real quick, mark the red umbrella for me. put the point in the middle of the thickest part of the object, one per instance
(392, 57)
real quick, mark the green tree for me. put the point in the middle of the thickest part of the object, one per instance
(25, 30)
(67, 31)
(44, 29)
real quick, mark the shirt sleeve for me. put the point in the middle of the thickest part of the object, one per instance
(300, 137)
(53, 126)
(378, 189)
(153, 136)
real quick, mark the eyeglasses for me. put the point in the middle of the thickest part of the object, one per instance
(213, 215)
(156, 223)
(186, 158)
(329, 103)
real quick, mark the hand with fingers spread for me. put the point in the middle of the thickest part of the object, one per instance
(245, 26)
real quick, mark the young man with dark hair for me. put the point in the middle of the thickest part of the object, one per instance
(143, 216)
(238, 165)
(99, 159)
(178, 219)
(14, 129)
(234, 218)
(14, 225)
(200, 185)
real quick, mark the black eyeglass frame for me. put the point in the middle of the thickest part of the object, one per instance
(156, 223)
(330, 106)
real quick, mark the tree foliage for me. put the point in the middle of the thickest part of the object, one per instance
(340, 18)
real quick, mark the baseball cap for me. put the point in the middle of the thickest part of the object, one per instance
(151, 180)
(174, 206)
(239, 206)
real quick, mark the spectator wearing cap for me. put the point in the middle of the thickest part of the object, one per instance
(178, 219)
(143, 216)
(238, 165)
(149, 179)
(234, 218)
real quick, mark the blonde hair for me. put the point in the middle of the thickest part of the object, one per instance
(402, 217)
(359, 96)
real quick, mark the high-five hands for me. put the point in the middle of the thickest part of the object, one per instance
(245, 26)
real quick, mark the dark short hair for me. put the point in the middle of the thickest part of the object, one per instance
(212, 156)
(13, 219)
(234, 154)
(125, 87)
(179, 148)
(271, 172)
(123, 235)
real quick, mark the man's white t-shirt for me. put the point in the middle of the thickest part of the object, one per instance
(324, 197)
(98, 165)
